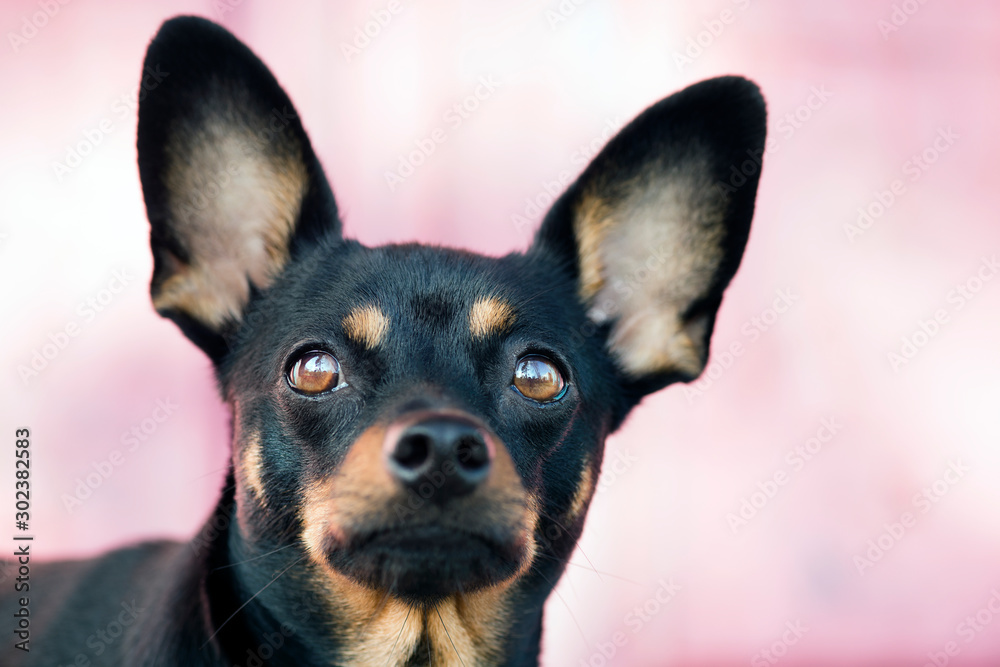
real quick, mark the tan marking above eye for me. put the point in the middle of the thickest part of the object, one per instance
(490, 315)
(538, 378)
(314, 372)
(366, 325)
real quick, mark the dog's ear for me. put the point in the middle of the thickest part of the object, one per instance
(232, 187)
(655, 227)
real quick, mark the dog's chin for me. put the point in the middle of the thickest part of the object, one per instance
(424, 564)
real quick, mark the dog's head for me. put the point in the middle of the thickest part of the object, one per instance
(425, 423)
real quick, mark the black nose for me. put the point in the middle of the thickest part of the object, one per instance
(440, 458)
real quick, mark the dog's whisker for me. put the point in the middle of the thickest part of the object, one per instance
(240, 608)
(400, 634)
(576, 542)
(583, 636)
(211, 472)
(590, 569)
(448, 635)
(572, 585)
(248, 560)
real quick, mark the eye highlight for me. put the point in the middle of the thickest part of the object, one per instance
(314, 372)
(537, 378)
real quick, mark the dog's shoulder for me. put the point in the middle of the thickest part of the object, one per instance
(128, 602)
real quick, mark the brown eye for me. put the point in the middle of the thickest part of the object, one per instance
(314, 372)
(538, 378)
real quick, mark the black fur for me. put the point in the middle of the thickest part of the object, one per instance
(212, 602)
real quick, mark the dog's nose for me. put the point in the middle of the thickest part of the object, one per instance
(440, 457)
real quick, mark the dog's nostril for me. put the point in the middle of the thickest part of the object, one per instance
(412, 451)
(472, 453)
(443, 456)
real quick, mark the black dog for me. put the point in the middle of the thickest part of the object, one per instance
(417, 431)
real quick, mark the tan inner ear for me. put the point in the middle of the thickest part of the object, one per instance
(647, 252)
(234, 195)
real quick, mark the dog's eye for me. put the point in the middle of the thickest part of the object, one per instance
(538, 378)
(314, 372)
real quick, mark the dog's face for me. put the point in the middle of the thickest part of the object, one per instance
(425, 423)
(425, 411)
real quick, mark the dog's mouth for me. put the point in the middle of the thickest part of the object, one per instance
(426, 508)
(423, 564)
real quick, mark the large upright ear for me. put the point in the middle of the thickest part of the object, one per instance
(231, 183)
(655, 226)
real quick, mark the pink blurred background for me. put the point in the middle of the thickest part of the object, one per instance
(851, 104)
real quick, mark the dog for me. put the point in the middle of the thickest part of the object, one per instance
(416, 431)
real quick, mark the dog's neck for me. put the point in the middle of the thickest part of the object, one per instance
(268, 596)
